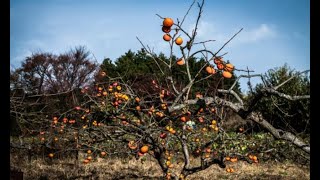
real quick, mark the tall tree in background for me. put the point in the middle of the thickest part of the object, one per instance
(47, 73)
(140, 70)
(293, 116)
(49, 84)
(70, 71)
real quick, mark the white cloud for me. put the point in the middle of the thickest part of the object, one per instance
(264, 31)
(204, 29)
(211, 31)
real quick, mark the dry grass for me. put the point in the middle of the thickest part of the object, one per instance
(244, 171)
(115, 168)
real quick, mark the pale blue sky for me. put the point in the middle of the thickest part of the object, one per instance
(275, 31)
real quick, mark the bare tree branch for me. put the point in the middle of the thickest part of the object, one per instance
(184, 17)
(278, 133)
(230, 91)
(288, 97)
(153, 57)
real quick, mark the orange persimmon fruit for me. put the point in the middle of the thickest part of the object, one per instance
(166, 37)
(226, 74)
(144, 149)
(210, 70)
(168, 22)
(179, 41)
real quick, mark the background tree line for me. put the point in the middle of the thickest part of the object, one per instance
(48, 84)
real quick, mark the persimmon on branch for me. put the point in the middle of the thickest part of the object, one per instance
(185, 59)
(183, 95)
(244, 107)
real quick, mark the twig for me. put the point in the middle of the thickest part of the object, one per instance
(151, 56)
(202, 42)
(228, 41)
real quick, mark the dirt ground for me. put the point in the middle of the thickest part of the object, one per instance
(115, 168)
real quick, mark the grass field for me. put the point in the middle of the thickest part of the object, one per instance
(115, 168)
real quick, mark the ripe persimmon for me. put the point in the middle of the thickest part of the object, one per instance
(231, 170)
(229, 67)
(210, 70)
(180, 61)
(65, 120)
(166, 29)
(166, 37)
(144, 149)
(173, 131)
(220, 66)
(179, 41)
(226, 74)
(183, 119)
(103, 153)
(168, 22)
(234, 159)
(254, 158)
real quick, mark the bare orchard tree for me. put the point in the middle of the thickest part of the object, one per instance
(174, 126)
(180, 127)
(243, 107)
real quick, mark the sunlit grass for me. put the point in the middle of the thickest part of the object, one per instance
(147, 168)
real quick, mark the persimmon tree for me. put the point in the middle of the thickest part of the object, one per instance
(172, 120)
(173, 123)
